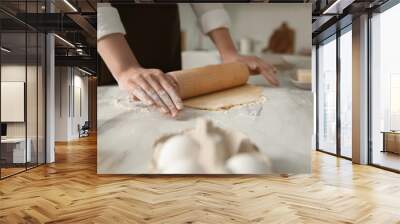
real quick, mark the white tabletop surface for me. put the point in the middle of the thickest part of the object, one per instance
(13, 140)
(281, 127)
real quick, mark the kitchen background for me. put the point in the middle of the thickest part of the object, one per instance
(265, 18)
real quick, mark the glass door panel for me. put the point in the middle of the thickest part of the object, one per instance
(13, 105)
(41, 79)
(385, 89)
(32, 99)
(346, 94)
(327, 96)
(22, 66)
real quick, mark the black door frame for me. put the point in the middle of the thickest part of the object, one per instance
(339, 32)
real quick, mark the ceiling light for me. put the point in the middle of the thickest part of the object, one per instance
(64, 40)
(70, 5)
(5, 49)
(338, 6)
(84, 71)
(80, 51)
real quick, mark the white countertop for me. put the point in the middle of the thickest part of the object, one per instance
(282, 129)
(13, 140)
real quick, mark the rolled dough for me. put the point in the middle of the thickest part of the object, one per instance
(226, 99)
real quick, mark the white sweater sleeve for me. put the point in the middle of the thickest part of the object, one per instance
(211, 16)
(108, 21)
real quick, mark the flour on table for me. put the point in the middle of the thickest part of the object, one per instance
(127, 103)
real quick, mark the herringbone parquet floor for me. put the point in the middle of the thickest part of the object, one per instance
(69, 191)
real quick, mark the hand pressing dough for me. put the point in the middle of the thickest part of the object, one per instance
(226, 99)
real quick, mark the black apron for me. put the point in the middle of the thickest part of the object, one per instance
(153, 33)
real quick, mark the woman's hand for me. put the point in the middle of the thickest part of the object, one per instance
(256, 66)
(224, 43)
(152, 87)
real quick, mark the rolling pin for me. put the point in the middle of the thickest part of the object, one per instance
(209, 79)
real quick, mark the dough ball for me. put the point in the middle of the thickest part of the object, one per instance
(248, 163)
(184, 167)
(179, 147)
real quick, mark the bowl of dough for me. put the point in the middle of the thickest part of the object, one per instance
(207, 149)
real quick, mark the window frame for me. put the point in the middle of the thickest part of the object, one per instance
(334, 37)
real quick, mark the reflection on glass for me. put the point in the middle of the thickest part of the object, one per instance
(327, 97)
(22, 90)
(14, 153)
(346, 94)
(31, 100)
(41, 99)
(395, 101)
(386, 89)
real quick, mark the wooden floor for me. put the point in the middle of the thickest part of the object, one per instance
(5, 172)
(387, 159)
(9, 171)
(69, 191)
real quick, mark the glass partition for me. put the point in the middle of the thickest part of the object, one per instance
(22, 92)
(32, 98)
(41, 97)
(14, 153)
(346, 93)
(385, 89)
(327, 96)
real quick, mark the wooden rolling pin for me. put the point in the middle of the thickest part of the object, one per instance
(212, 78)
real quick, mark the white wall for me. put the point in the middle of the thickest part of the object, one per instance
(61, 103)
(12, 101)
(68, 82)
(256, 21)
(80, 83)
(12, 73)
